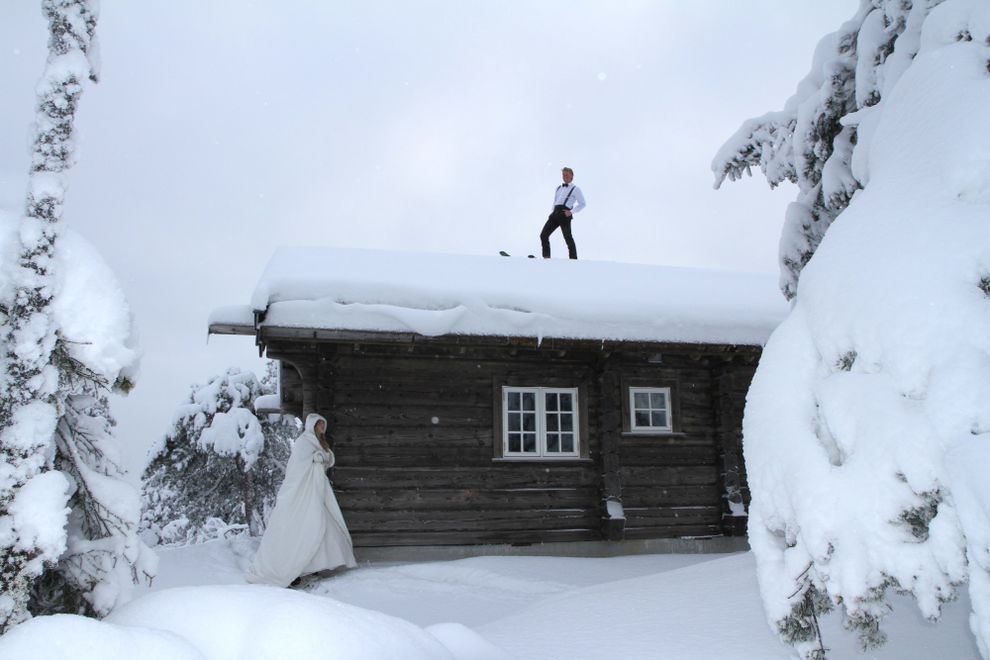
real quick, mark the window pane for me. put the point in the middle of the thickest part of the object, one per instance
(529, 442)
(659, 418)
(513, 401)
(551, 401)
(641, 400)
(642, 418)
(553, 422)
(529, 421)
(515, 422)
(658, 401)
(567, 442)
(565, 402)
(529, 401)
(553, 443)
(567, 422)
(515, 442)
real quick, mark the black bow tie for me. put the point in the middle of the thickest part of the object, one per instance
(564, 185)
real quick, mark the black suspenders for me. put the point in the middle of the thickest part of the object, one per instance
(564, 203)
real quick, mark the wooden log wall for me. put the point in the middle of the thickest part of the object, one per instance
(670, 481)
(414, 430)
(414, 435)
(732, 382)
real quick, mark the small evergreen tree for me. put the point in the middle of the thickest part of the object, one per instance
(219, 467)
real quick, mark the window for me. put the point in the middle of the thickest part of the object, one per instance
(649, 409)
(539, 422)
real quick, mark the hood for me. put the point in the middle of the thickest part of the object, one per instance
(311, 420)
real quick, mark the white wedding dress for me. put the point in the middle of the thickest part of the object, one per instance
(306, 531)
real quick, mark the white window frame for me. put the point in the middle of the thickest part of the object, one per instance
(635, 428)
(541, 452)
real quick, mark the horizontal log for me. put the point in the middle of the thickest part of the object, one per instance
(524, 516)
(527, 537)
(658, 450)
(644, 459)
(422, 457)
(500, 476)
(436, 437)
(406, 418)
(695, 395)
(448, 499)
(668, 476)
(666, 516)
(464, 521)
(439, 434)
(682, 373)
(403, 368)
(659, 496)
(421, 382)
(672, 532)
(453, 397)
(427, 456)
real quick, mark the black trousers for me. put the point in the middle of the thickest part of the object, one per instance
(558, 219)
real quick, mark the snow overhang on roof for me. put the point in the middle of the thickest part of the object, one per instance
(440, 294)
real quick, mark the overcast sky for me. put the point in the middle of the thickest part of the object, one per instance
(216, 134)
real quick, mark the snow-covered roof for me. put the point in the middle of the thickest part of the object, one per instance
(444, 294)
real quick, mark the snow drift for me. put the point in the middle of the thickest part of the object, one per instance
(239, 623)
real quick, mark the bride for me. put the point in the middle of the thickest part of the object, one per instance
(306, 532)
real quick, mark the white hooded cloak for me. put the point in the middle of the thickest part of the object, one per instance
(306, 531)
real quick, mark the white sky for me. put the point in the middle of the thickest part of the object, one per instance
(435, 125)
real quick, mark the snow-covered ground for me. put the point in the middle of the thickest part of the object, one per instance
(646, 606)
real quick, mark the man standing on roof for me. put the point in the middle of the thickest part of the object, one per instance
(567, 200)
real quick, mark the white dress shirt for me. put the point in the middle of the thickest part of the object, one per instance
(576, 201)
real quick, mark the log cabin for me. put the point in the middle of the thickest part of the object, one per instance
(478, 400)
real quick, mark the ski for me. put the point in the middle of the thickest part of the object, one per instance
(506, 254)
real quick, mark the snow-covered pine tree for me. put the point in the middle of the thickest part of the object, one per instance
(33, 496)
(867, 427)
(219, 467)
(811, 141)
(67, 341)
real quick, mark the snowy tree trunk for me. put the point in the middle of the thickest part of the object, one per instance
(29, 407)
(251, 514)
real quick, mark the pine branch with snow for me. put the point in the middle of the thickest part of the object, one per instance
(811, 141)
(219, 467)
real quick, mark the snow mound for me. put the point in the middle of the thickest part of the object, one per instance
(249, 622)
(241, 623)
(69, 636)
